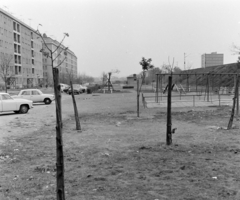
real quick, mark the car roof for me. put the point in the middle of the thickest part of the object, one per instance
(3, 93)
(30, 89)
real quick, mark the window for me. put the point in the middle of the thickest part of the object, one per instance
(32, 53)
(32, 70)
(31, 35)
(18, 28)
(6, 97)
(19, 50)
(34, 92)
(32, 44)
(15, 48)
(33, 61)
(15, 37)
(19, 59)
(26, 93)
(18, 38)
(15, 58)
(19, 70)
(16, 69)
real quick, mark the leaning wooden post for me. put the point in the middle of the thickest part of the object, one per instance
(59, 142)
(78, 126)
(237, 90)
(157, 87)
(233, 107)
(169, 117)
(138, 97)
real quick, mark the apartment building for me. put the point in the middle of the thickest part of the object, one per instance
(212, 59)
(20, 41)
(66, 61)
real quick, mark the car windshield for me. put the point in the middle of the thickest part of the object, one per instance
(6, 97)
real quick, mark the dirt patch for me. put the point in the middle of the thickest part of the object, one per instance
(119, 156)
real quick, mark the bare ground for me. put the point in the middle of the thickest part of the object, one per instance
(119, 156)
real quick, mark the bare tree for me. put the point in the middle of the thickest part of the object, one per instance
(236, 50)
(54, 54)
(71, 78)
(6, 69)
(146, 65)
(169, 130)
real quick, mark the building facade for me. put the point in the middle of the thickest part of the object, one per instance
(211, 59)
(23, 44)
(66, 61)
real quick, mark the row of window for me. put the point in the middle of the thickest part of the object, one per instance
(16, 37)
(17, 59)
(17, 48)
(20, 70)
(16, 27)
(5, 32)
(5, 20)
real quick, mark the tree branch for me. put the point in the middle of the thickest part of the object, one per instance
(59, 44)
(38, 32)
(60, 53)
(61, 62)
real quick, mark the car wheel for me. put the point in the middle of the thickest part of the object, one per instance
(16, 111)
(23, 109)
(47, 101)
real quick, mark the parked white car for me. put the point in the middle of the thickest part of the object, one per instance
(64, 87)
(35, 95)
(9, 104)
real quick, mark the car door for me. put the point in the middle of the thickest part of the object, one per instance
(26, 94)
(36, 96)
(8, 103)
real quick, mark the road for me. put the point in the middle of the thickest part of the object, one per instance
(20, 124)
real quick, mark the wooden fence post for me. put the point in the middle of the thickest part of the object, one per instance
(169, 117)
(78, 126)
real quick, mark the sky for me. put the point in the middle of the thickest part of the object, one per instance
(109, 35)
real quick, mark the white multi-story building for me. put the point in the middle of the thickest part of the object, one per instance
(23, 44)
(67, 61)
(212, 59)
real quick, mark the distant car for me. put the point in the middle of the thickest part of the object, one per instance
(8, 104)
(77, 89)
(35, 95)
(64, 87)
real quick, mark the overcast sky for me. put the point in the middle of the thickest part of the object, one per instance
(115, 34)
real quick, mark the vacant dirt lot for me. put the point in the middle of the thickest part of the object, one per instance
(118, 156)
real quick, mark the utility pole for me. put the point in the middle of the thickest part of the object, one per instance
(184, 61)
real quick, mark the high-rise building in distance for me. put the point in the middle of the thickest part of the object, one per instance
(212, 59)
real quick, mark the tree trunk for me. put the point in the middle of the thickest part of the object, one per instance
(169, 117)
(78, 126)
(5, 85)
(59, 142)
(234, 104)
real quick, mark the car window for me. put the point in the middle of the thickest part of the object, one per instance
(26, 93)
(34, 92)
(6, 97)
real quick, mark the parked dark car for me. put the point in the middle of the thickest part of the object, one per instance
(66, 89)
(77, 89)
